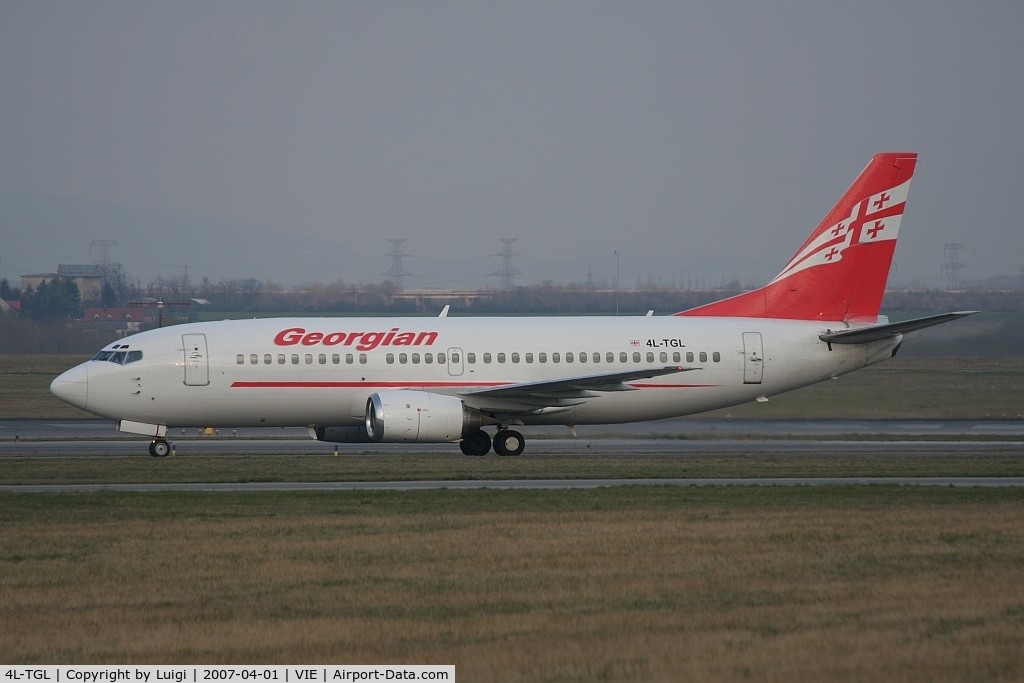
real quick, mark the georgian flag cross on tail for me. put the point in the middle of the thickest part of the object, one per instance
(874, 219)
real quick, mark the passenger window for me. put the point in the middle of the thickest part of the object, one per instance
(415, 359)
(403, 358)
(440, 359)
(470, 357)
(663, 357)
(348, 359)
(716, 356)
(529, 358)
(542, 357)
(267, 359)
(568, 357)
(254, 359)
(636, 356)
(362, 359)
(132, 357)
(597, 357)
(675, 356)
(583, 356)
(390, 359)
(322, 359)
(487, 358)
(501, 358)
(335, 358)
(623, 357)
(515, 357)
(295, 359)
(455, 358)
(689, 356)
(650, 356)
(554, 358)
(428, 358)
(280, 359)
(309, 359)
(703, 357)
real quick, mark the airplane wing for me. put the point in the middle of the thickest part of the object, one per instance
(569, 391)
(874, 333)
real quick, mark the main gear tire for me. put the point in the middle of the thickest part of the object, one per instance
(476, 443)
(509, 442)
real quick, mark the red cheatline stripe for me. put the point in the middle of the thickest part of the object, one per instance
(671, 386)
(406, 385)
(359, 385)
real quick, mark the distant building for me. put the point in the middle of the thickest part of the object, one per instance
(89, 279)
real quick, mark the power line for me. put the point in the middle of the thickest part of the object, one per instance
(507, 272)
(951, 269)
(104, 246)
(398, 273)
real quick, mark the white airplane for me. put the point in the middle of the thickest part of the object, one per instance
(446, 379)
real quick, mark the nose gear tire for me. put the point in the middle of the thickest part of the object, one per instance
(160, 448)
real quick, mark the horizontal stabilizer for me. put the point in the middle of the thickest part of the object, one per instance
(869, 334)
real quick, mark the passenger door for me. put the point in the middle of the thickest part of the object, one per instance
(455, 362)
(753, 358)
(197, 362)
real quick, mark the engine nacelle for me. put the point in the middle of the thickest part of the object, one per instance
(355, 434)
(422, 416)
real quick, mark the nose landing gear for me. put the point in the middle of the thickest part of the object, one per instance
(160, 448)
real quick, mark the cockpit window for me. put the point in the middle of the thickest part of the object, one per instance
(119, 357)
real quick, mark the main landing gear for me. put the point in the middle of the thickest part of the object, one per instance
(160, 448)
(506, 442)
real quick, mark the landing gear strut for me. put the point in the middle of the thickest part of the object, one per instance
(508, 442)
(159, 448)
(476, 443)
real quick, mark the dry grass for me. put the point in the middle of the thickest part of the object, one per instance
(120, 469)
(652, 584)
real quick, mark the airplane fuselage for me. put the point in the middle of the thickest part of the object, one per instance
(320, 371)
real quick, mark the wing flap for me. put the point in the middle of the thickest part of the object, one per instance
(560, 391)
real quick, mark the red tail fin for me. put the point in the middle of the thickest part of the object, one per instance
(839, 273)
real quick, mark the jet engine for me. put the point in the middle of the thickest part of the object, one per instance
(421, 416)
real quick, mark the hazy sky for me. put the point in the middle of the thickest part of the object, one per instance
(290, 140)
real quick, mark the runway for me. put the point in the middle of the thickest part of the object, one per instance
(96, 438)
(504, 484)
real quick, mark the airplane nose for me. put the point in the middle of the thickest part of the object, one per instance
(72, 386)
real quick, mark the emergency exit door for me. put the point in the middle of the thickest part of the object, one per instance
(197, 362)
(753, 358)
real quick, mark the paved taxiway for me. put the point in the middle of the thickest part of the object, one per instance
(988, 482)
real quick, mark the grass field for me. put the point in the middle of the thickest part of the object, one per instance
(118, 469)
(972, 388)
(645, 584)
(25, 385)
